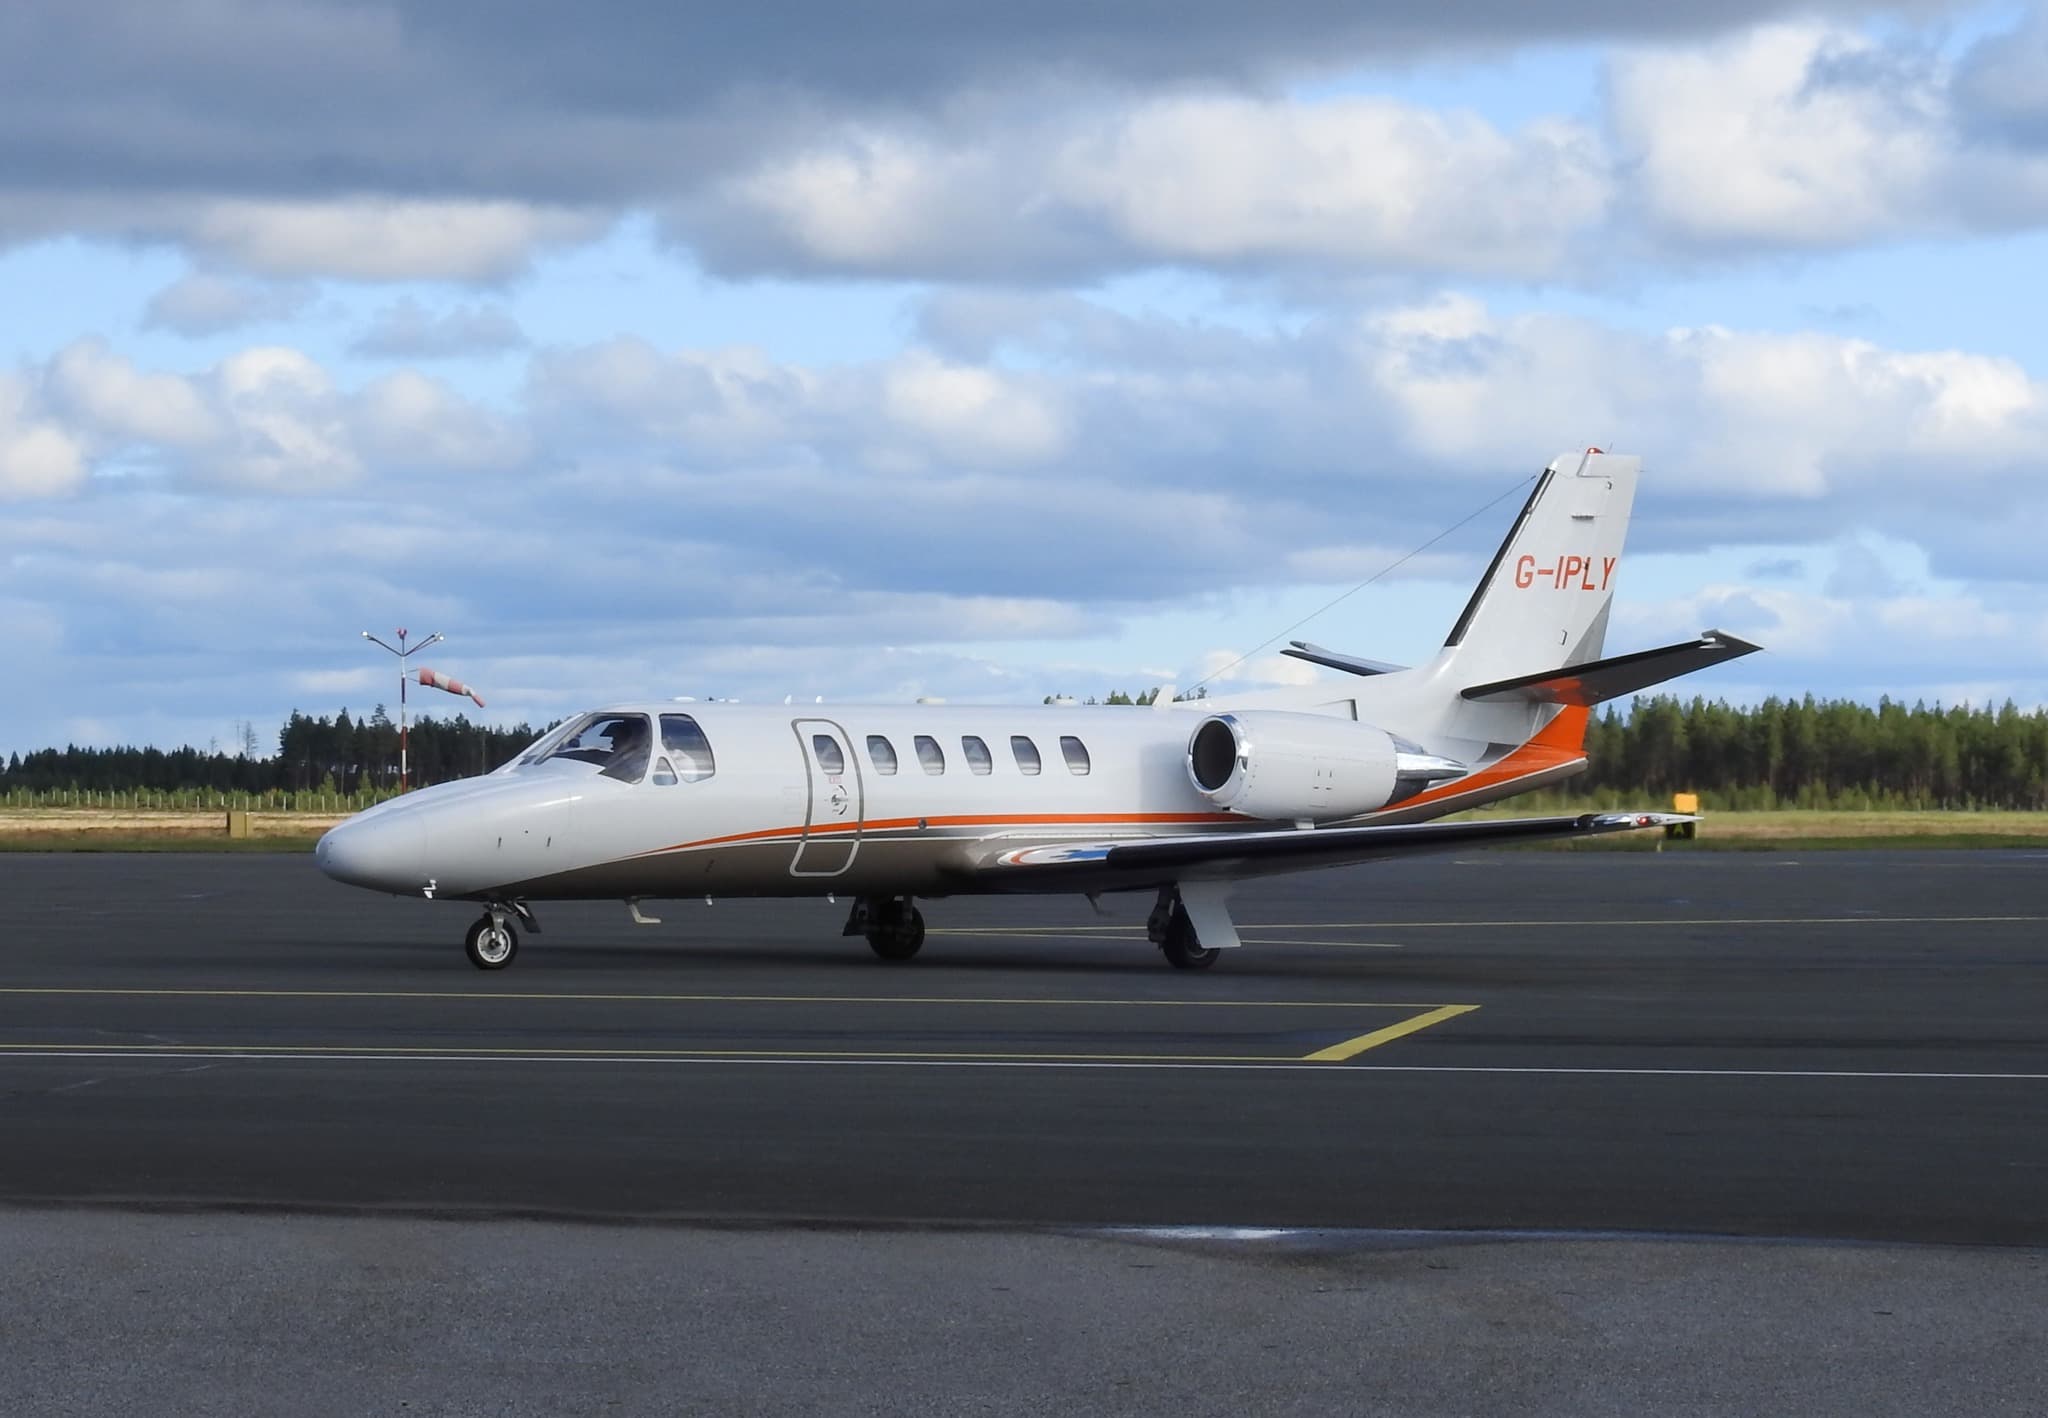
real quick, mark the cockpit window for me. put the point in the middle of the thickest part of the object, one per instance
(686, 744)
(978, 760)
(617, 743)
(544, 745)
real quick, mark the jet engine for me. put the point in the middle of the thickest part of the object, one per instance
(1306, 767)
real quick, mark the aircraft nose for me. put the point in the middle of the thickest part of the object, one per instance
(383, 853)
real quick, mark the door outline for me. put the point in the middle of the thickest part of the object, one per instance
(827, 853)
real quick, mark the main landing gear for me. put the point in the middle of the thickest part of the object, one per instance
(1173, 932)
(492, 942)
(893, 925)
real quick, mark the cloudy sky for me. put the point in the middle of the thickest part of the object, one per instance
(914, 348)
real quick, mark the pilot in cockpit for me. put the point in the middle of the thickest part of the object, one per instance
(627, 760)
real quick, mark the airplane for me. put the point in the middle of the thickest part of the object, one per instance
(888, 805)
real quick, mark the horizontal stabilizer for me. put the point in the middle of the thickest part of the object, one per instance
(1599, 680)
(1331, 659)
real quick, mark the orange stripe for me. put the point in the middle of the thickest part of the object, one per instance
(1557, 743)
(1034, 819)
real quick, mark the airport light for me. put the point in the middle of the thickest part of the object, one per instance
(403, 651)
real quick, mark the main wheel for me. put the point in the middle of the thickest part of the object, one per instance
(897, 932)
(489, 945)
(1182, 950)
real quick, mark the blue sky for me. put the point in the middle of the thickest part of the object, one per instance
(1071, 351)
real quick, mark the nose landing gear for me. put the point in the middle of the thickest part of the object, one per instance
(492, 942)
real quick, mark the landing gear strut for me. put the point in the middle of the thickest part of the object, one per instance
(491, 942)
(893, 925)
(1170, 929)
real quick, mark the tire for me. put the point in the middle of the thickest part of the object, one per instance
(1189, 957)
(489, 945)
(898, 933)
(1181, 949)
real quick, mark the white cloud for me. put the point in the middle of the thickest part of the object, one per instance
(199, 303)
(39, 461)
(1347, 184)
(1811, 135)
(325, 684)
(106, 392)
(1220, 667)
(970, 415)
(408, 420)
(382, 239)
(1361, 183)
(1769, 415)
(1100, 468)
(289, 429)
(38, 457)
(704, 400)
(269, 418)
(1910, 635)
(408, 330)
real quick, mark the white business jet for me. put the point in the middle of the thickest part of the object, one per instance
(886, 804)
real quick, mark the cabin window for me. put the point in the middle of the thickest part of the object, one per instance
(685, 743)
(830, 758)
(979, 760)
(931, 755)
(1076, 754)
(1027, 755)
(882, 754)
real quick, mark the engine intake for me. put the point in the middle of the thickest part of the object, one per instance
(1306, 767)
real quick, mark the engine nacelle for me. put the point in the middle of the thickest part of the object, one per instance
(1306, 767)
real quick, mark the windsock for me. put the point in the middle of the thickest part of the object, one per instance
(433, 679)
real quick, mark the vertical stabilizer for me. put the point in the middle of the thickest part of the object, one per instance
(1544, 601)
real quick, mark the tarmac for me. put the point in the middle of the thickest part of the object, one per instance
(1557, 1132)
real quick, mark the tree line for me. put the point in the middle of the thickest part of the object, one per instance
(332, 755)
(1822, 753)
(1781, 753)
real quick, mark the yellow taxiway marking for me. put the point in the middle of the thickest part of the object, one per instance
(1605, 921)
(1352, 1048)
(572, 997)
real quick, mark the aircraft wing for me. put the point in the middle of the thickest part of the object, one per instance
(1217, 855)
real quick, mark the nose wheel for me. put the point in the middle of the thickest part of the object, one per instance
(491, 942)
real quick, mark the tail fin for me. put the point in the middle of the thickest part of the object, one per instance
(1544, 601)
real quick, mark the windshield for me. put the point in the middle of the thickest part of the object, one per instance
(617, 744)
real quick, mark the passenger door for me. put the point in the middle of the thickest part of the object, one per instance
(832, 818)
